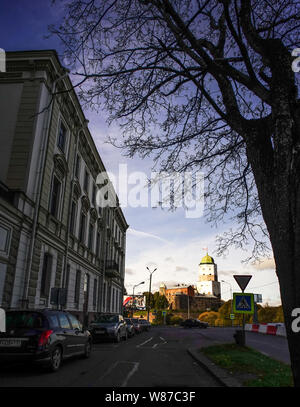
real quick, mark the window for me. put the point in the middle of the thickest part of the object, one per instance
(77, 287)
(54, 203)
(62, 136)
(77, 166)
(24, 319)
(91, 236)
(73, 217)
(74, 321)
(95, 293)
(64, 322)
(86, 285)
(82, 228)
(86, 181)
(53, 321)
(46, 275)
(4, 239)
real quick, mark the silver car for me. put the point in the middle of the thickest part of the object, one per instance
(108, 326)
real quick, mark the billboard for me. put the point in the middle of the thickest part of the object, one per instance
(139, 302)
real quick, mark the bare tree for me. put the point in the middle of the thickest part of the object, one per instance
(206, 84)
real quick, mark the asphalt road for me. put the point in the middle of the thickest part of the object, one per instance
(271, 345)
(157, 358)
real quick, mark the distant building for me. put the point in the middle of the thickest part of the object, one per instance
(52, 233)
(205, 295)
(208, 283)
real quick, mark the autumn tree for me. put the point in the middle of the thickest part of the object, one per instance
(206, 85)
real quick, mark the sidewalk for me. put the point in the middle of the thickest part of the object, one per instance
(220, 374)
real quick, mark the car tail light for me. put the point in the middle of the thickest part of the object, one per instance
(44, 337)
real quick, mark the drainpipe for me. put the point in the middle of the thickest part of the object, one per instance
(39, 187)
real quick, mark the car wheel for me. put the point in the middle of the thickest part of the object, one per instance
(87, 350)
(55, 359)
(126, 336)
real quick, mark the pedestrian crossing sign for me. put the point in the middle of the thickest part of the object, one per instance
(243, 303)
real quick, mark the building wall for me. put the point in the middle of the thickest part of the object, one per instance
(31, 131)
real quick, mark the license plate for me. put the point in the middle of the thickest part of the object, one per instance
(13, 343)
(99, 331)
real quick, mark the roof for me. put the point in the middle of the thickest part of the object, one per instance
(207, 260)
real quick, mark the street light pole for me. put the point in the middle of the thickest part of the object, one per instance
(148, 311)
(133, 297)
(231, 298)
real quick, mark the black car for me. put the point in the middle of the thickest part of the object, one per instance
(108, 326)
(145, 325)
(194, 323)
(44, 336)
(130, 327)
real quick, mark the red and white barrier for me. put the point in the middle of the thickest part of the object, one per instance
(269, 329)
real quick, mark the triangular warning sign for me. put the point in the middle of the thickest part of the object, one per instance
(243, 304)
(242, 280)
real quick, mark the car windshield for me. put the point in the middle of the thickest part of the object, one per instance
(107, 318)
(23, 320)
(128, 321)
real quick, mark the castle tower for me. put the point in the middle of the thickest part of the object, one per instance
(162, 289)
(208, 283)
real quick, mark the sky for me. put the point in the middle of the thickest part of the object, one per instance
(156, 238)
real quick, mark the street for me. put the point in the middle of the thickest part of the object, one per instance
(157, 358)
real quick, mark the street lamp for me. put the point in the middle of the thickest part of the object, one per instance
(223, 281)
(133, 298)
(151, 272)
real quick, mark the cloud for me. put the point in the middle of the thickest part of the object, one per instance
(169, 259)
(265, 264)
(227, 272)
(181, 268)
(129, 271)
(139, 233)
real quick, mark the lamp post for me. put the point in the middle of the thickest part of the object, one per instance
(133, 298)
(148, 311)
(231, 298)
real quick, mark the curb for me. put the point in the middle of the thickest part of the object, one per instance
(217, 372)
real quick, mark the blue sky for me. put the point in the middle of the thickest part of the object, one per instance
(156, 238)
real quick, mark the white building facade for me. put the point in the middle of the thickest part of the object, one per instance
(52, 232)
(208, 283)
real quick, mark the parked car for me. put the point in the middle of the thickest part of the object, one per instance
(145, 325)
(108, 326)
(130, 327)
(137, 325)
(44, 336)
(194, 323)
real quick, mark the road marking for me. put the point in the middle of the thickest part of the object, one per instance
(114, 365)
(108, 371)
(141, 344)
(131, 373)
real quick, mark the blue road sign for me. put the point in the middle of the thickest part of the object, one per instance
(243, 303)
